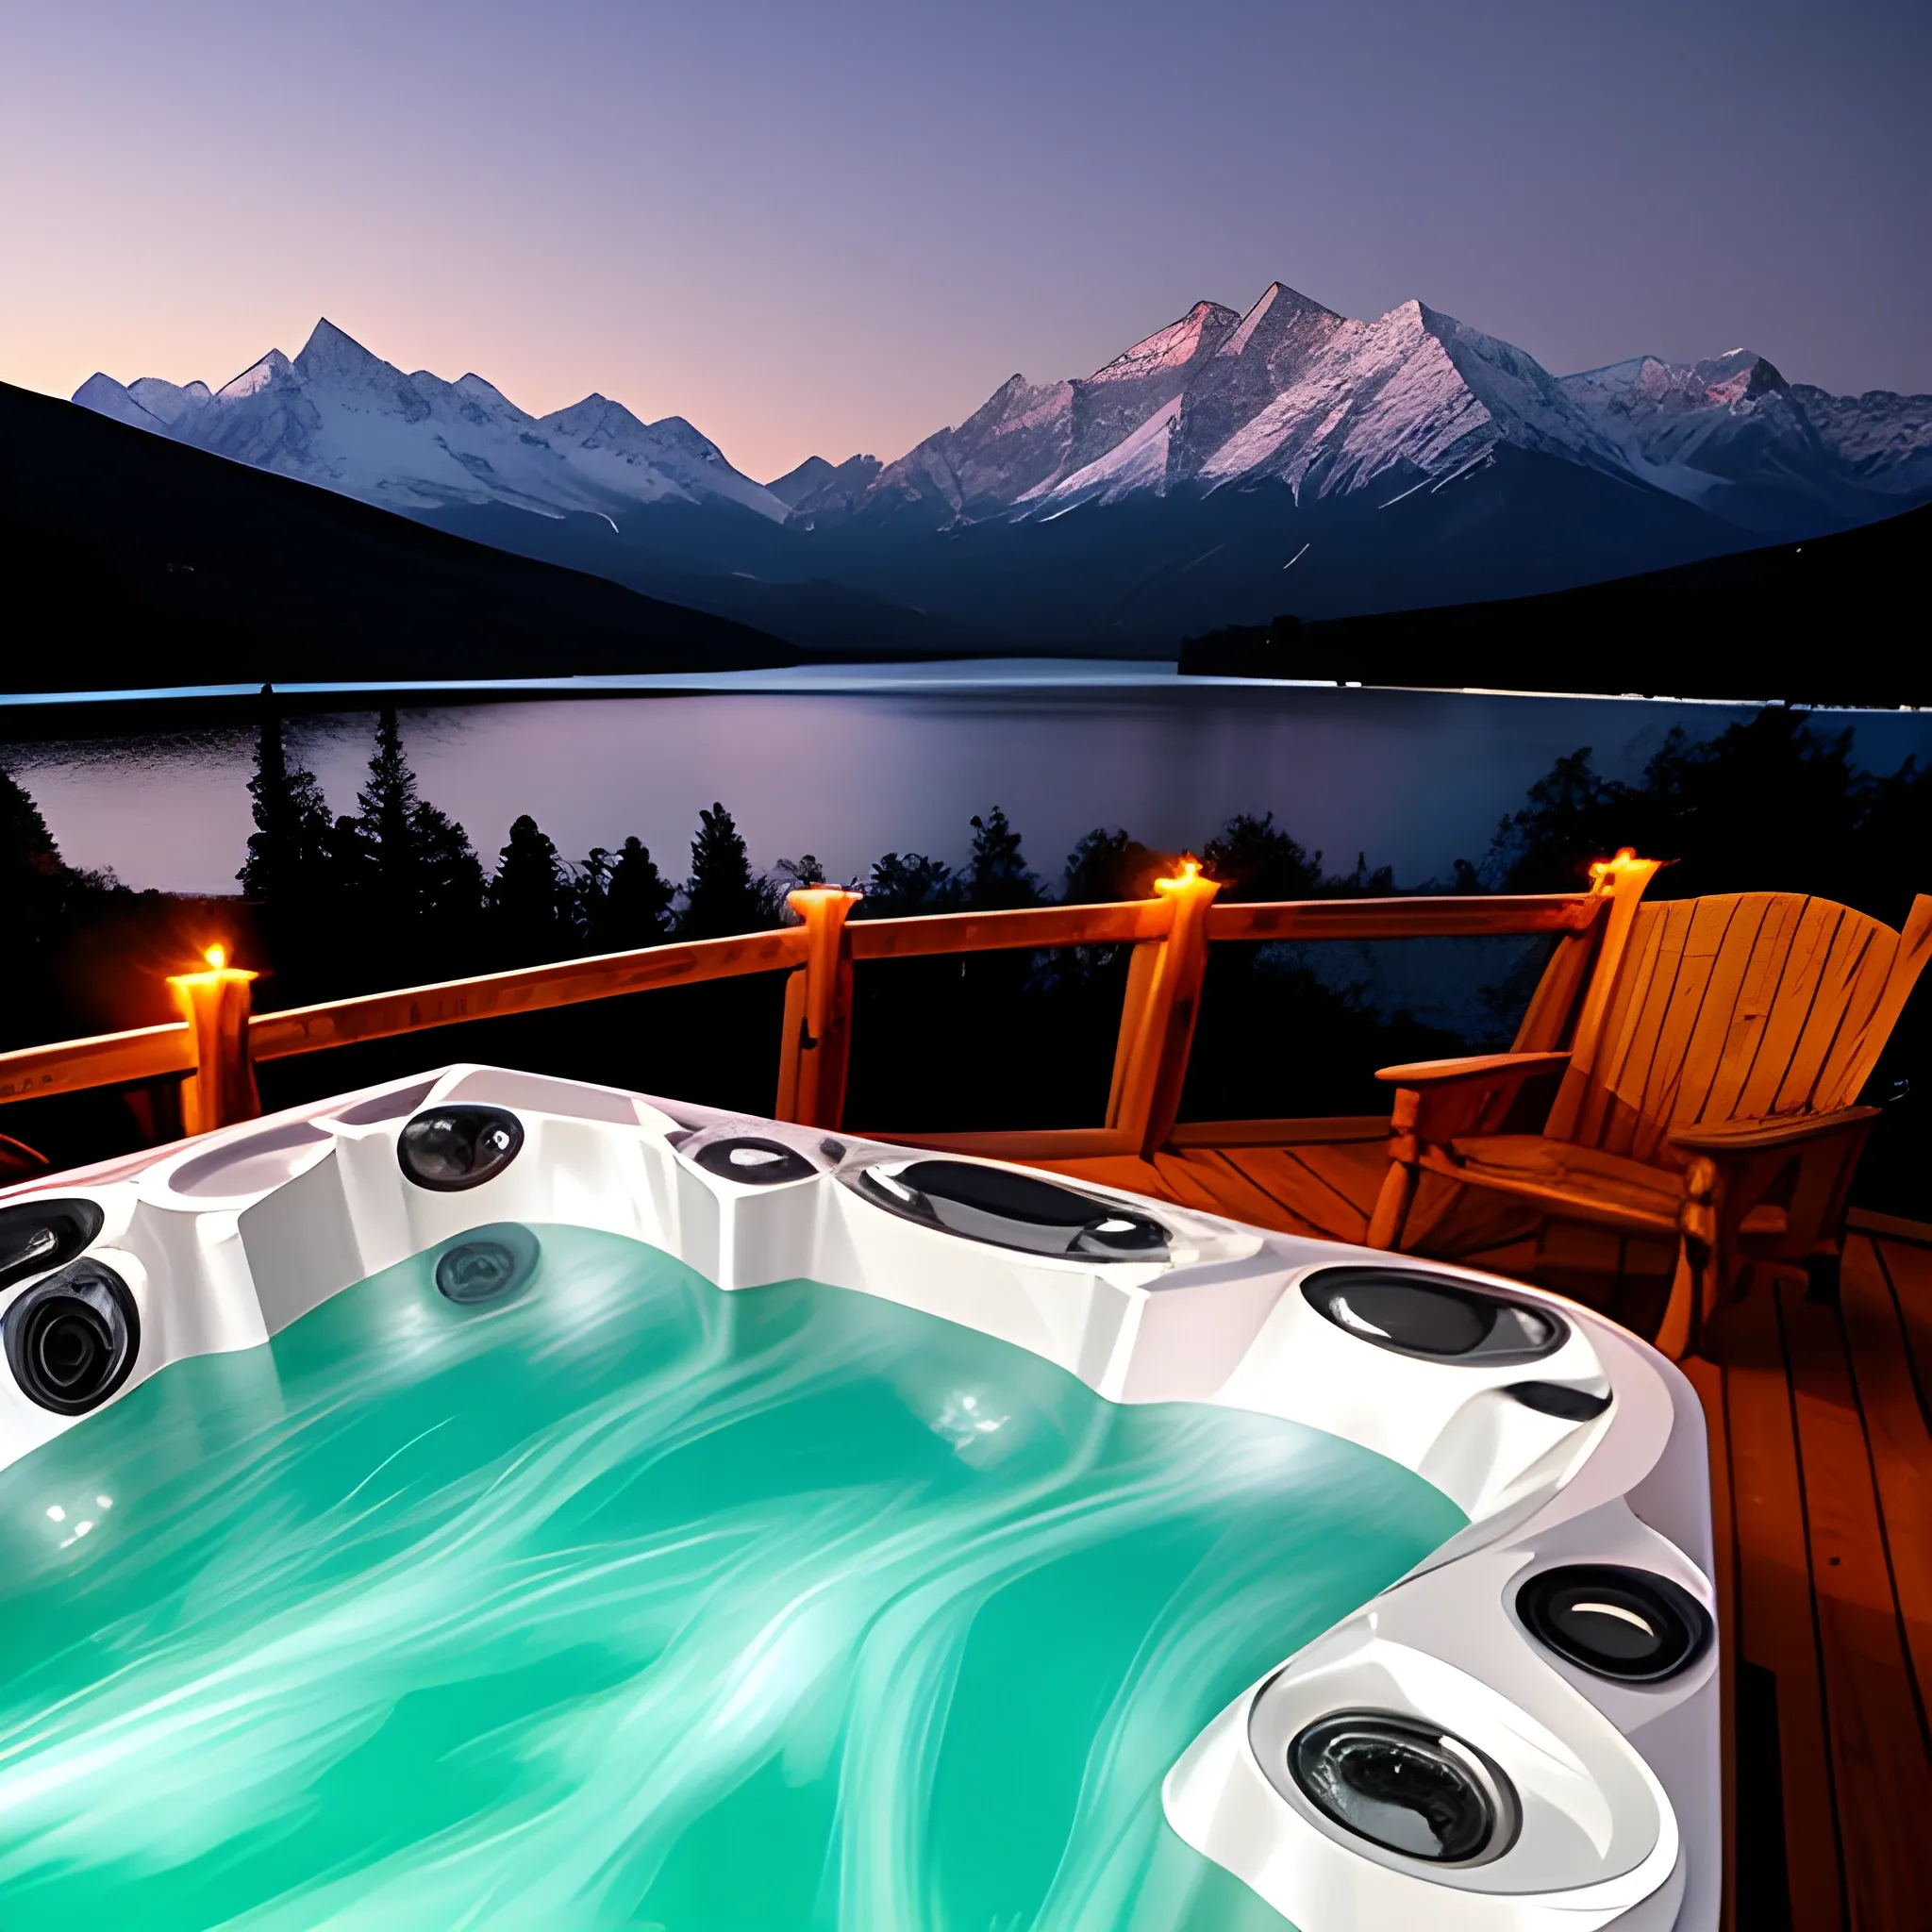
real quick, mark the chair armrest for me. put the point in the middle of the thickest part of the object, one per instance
(1739, 1137)
(1424, 1075)
(1437, 1100)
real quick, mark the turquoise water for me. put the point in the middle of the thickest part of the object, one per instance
(631, 1603)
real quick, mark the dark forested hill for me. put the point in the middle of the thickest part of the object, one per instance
(131, 562)
(1837, 620)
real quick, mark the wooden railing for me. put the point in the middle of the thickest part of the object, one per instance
(214, 1048)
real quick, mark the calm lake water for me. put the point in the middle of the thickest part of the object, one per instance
(848, 763)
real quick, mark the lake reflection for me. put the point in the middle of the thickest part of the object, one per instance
(849, 766)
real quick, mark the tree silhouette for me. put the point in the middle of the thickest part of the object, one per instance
(1769, 803)
(530, 899)
(410, 865)
(289, 872)
(624, 899)
(902, 885)
(790, 874)
(1106, 866)
(997, 879)
(45, 903)
(1254, 859)
(721, 896)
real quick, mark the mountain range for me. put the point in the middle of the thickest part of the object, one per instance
(1228, 467)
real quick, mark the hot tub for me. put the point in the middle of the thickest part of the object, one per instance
(500, 1502)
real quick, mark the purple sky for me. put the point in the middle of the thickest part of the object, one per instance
(839, 227)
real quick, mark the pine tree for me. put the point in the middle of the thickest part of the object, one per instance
(420, 861)
(997, 879)
(411, 864)
(27, 851)
(41, 901)
(529, 898)
(721, 896)
(387, 814)
(625, 901)
(289, 850)
(902, 885)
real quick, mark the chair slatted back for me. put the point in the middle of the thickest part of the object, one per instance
(1744, 1006)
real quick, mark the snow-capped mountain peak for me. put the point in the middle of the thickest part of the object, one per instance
(273, 367)
(1733, 436)
(331, 351)
(165, 400)
(340, 416)
(1198, 333)
(101, 394)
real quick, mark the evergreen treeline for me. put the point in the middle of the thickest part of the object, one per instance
(395, 893)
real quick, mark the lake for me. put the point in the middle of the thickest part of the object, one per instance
(848, 762)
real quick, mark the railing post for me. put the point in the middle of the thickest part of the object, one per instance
(1158, 1017)
(216, 1003)
(817, 1044)
(1625, 878)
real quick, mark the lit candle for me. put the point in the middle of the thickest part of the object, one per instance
(216, 1003)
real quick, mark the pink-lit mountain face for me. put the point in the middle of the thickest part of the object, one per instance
(1293, 392)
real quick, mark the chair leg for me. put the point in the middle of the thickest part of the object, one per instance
(1398, 1185)
(1821, 1271)
(1673, 1331)
(1698, 1280)
(1392, 1205)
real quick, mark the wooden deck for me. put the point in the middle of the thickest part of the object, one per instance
(1821, 1443)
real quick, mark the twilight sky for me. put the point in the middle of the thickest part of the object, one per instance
(839, 227)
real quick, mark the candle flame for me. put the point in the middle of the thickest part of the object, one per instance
(1190, 871)
(217, 956)
(1608, 868)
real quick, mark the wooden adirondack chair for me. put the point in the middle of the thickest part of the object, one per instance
(1710, 1091)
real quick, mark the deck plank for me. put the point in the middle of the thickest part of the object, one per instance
(1778, 1627)
(1901, 1447)
(1909, 1269)
(1881, 1775)
(1709, 1381)
(1307, 1188)
(1218, 1176)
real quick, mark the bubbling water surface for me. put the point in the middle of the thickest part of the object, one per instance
(627, 1602)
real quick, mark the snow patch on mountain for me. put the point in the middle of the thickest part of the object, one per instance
(1140, 462)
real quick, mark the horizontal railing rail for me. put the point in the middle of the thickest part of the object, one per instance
(214, 1049)
(1405, 918)
(526, 990)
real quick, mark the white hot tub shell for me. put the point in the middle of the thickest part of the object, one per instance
(1591, 1458)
